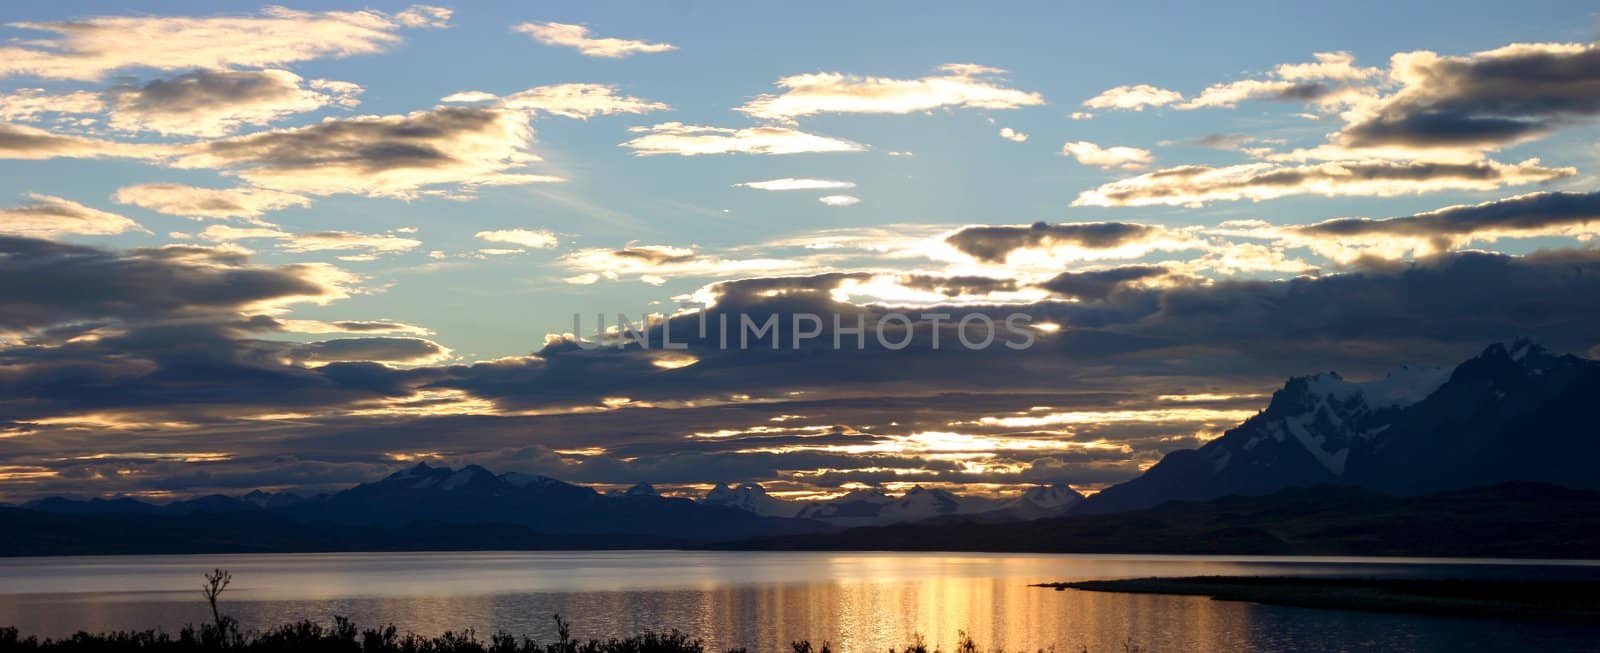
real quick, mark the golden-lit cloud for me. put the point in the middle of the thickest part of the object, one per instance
(1133, 98)
(691, 140)
(218, 102)
(652, 262)
(1119, 156)
(582, 39)
(579, 101)
(28, 143)
(1013, 135)
(958, 86)
(1331, 82)
(28, 104)
(529, 238)
(48, 216)
(89, 48)
(194, 202)
(442, 150)
(1196, 185)
(1346, 240)
(320, 241)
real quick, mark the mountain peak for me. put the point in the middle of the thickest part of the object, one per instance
(640, 489)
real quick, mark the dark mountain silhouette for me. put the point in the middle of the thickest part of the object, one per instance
(1526, 520)
(474, 495)
(1512, 413)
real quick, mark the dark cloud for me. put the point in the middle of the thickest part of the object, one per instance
(804, 419)
(393, 350)
(957, 285)
(1484, 100)
(1098, 285)
(1529, 214)
(994, 244)
(45, 283)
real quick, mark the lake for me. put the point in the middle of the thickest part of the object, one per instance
(858, 601)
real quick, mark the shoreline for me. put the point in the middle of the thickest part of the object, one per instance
(1521, 600)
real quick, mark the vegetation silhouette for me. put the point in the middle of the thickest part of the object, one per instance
(343, 636)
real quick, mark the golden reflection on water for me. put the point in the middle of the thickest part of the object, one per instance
(854, 601)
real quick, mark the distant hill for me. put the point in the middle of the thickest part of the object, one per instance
(1509, 520)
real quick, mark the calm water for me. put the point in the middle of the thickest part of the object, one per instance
(858, 601)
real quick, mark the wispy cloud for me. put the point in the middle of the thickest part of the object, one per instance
(691, 140)
(792, 183)
(580, 101)
(194, 202)
(1133, 98)
(529, 238)
(959, 86)
(90, 48)
(1196, 185)
(582, 39)
(48, 216)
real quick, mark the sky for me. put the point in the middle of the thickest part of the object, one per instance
(296, 247)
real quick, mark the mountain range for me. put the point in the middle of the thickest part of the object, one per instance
(1513, 413)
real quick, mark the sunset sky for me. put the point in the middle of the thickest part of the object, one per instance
(297, 248)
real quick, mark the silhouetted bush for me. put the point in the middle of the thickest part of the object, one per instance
(224, 634)
(344, 637)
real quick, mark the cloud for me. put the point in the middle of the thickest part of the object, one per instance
(218, 102)
(194, 202)
(791, 183)
(1331, 82)
(579, 37)
(1098, 285)
(995, 244)
(318, 241)
(458, 148)
(47, 216)
(960, 86)
(87, 49)
(691, 140)
(839, 200)
(1196, 185)
(1534, 215)
(45, 283)
(529, 238)
(1133, 98)
(403, 351)
(580, 101)
(31, 143)
(1090, 154)
(28, 104)
(648, 262)
(1486, 100)
(1013, 135)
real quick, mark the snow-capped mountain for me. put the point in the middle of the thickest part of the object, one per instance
(475, 495)
(1417, 429)
(751, 497)
(874, 508)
